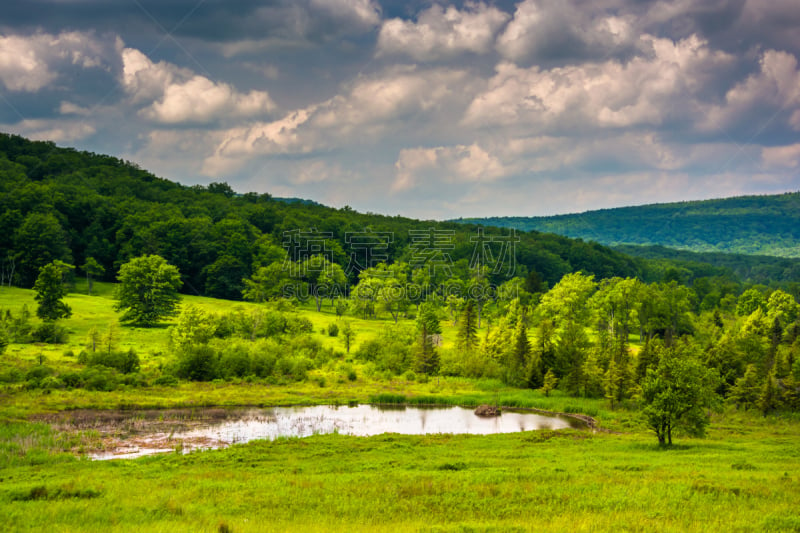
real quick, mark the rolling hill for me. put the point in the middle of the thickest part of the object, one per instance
(753, 225)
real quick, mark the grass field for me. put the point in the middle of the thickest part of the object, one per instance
(744, 477)
(560, 481)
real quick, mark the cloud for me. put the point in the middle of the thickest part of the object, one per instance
(647, 91)
(178, 96)
(442, 32)
(60, 131)
(29, 63)
(285, 24)
(446, 163)
(561, 31)
(399, 103)
(781, 156)
(764, 96)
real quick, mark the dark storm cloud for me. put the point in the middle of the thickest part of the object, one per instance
(208, 20)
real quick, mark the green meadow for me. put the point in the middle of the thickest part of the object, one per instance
(744, 476)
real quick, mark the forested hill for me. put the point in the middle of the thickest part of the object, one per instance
(60, 203)
(763, 225)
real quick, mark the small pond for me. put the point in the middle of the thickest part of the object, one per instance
(133, 434)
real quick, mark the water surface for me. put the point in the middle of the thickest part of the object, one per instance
(221, 428)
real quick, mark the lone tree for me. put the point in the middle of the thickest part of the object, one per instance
(429, 329)
(92, 269)
(148, 290)
(50, 291)
(677, 393)
(348, 335)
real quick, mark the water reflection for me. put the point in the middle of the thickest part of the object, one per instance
(243, 425)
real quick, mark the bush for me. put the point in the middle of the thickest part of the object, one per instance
(51, 382)
(298, 325)
(333, 329)
(50, 333)
(12, 375)
(166, 381)
(199, 363)
(72, 380)
(126, 362)
(234, 363)
(99, 379)
(263, 364)
(38, 373)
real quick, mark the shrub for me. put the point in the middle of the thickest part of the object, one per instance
(166, 380)
(50, 333)
(51, 382)
(126, 362)
(298, 325)
(12, 375)
(262, 364)
(333, 329)
(199, 363)
(99, 379)
(72, 380)
(234, 363)
(38, 373)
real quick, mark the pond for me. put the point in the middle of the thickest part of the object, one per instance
(134, 434)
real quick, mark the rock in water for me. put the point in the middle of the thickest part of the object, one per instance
(487, 410)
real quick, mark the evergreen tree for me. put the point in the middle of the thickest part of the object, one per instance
(550, 382)
(429, 329)
(468, 328)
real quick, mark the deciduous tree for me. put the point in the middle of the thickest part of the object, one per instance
(148, 290)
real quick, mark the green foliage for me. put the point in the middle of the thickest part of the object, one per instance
(194, 327)
(92, 269)
(50, 333)
(550, 383)
(50, 291)
(333, 329)
(348, 335)
(757, 225)
(125, 362)
(429, 329)
(468, 327)
(39, 240)
(148, 290)
(677, 393)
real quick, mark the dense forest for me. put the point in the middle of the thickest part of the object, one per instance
(59, 203)
(753, 225)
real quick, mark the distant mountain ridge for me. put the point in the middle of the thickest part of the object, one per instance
(753, 225)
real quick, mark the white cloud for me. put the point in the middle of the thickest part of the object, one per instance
(401, 102)
(201, 100)
(446, 163)
(442, 32)
(30, 63)
(645, 91)
(178, 96)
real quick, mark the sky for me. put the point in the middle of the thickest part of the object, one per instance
(422, 109)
